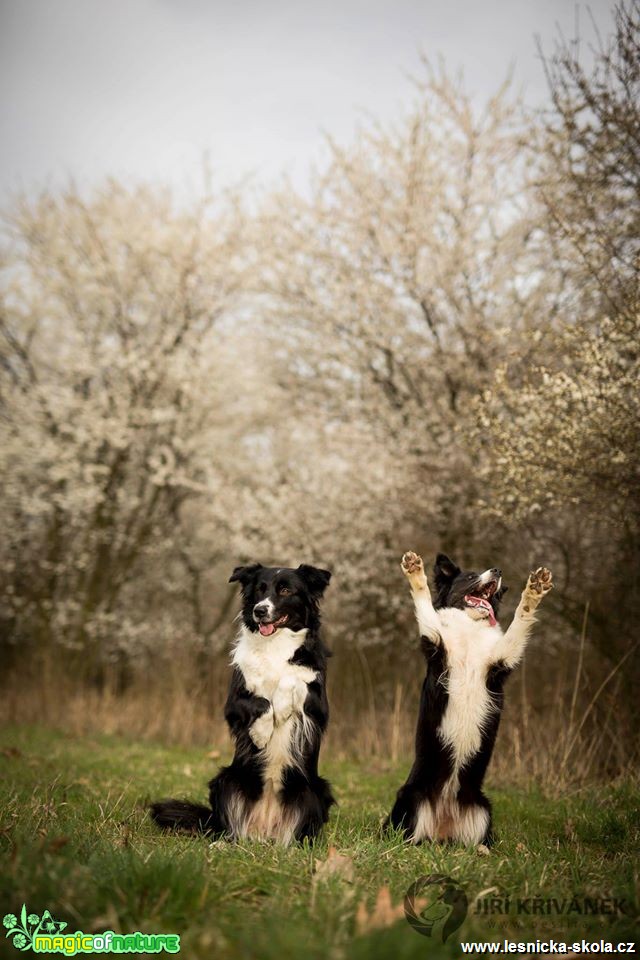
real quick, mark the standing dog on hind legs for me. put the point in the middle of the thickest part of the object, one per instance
(468, 659)
(277, 712)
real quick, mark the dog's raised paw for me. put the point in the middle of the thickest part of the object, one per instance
(540, 582)
(411, 563)
(413, 569)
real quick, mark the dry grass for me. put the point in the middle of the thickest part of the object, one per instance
(573, 735)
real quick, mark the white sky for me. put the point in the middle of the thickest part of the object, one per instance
(142, 88)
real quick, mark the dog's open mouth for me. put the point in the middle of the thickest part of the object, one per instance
(266, 629)
(480, 603)
(480, 600)
(487, 591)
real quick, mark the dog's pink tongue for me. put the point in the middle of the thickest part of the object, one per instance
(266, 629)
(484, 604)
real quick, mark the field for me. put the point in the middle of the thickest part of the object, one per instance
(76, 841)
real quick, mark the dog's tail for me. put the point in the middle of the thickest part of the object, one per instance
(182, 815)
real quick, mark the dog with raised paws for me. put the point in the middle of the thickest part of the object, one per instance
(468, 658)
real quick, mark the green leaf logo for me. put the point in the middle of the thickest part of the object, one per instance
(23, 930)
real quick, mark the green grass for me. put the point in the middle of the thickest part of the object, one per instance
(75, 839)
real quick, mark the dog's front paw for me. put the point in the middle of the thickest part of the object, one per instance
(540, 582)
(282, 706)
(538, 586)
(261, 729)
(413, 569)
(289, 698)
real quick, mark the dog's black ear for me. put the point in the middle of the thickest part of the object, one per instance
(317, 580)
(444, 570)
(245, 574)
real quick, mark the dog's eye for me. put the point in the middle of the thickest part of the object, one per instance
(284, 591)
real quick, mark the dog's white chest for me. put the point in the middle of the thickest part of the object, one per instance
(469, 645)
(264, 661)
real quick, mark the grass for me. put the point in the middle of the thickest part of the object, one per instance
(75, 839)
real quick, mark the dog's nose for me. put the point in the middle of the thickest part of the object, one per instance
(259, 611)
(497, 572)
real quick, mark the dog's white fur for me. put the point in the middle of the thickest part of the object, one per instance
(445, 820)
(469, 644)
(281, 732)
(264, 820)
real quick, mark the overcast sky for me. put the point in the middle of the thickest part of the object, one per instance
(142, 88)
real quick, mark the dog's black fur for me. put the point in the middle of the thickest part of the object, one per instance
(452, 585)
(280, 611)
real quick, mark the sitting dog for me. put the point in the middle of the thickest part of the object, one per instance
(277, 712)
(468, 659)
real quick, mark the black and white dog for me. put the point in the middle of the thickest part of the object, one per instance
(277, 712)
(468, 659)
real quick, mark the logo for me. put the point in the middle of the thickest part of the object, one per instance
(435, 906)
(43, 934)
(29, 926)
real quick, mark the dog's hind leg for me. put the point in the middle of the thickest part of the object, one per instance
(306, 804)
(405, 812)
(472, 824)
(232, 794)
(428, 621)
(510, 648)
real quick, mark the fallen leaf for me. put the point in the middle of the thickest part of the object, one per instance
(56, 844)
(383, 915)
(362, 918)
(336, 865)
(483, 850)
(214, 755)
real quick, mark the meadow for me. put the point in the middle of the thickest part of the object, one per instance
(433, 345)
(76, 840)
